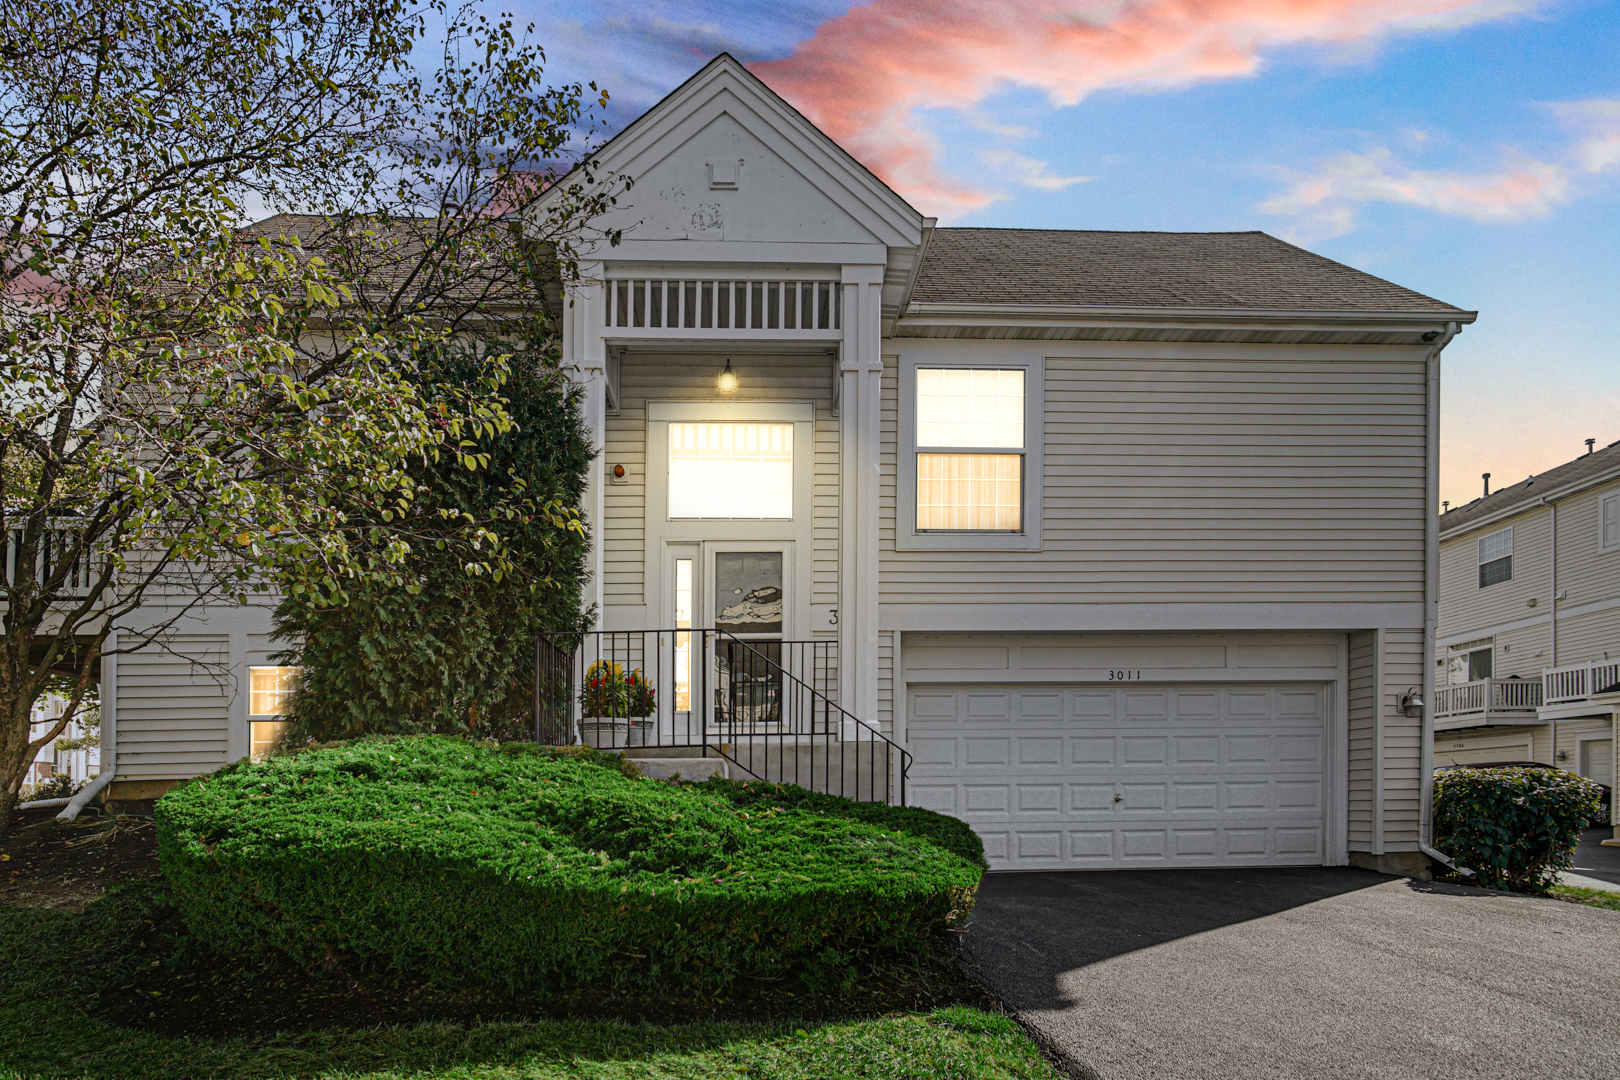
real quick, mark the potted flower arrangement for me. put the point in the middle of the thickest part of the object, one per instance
(614, 705)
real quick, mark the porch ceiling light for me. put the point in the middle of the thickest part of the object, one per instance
(728, 380)
(1412, 703)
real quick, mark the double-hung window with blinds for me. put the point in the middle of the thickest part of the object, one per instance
(1496, 558)
(1609, 522)
(970, 449)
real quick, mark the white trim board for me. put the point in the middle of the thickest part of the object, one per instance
(1091, 618)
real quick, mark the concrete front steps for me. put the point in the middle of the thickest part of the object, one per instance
(667, 762)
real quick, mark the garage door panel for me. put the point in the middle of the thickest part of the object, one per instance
(1196, 749)
(1199, 797)
(1035, 706)
(1092, 705)
(1089, 798)
(1040, 750)
(1092, 751)
(940, 798)
(1202, 776)
(986, 752)
(1094, 846)
(1148, 751)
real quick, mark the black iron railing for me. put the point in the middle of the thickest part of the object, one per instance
(768, 707)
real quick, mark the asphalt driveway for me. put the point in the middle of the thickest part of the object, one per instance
(1301, 973)
(1593, 860)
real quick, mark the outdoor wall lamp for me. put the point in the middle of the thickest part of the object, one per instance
(1412, 703)
(728, 380)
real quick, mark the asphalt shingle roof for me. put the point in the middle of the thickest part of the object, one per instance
(1527, 491)
(1149, 269)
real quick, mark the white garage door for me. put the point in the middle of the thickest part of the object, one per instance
(1094, 777)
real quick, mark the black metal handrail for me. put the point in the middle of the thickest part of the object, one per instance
(769, 707)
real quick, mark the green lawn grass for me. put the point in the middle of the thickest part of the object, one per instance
(59, 970)
(1590, 897)
(40, 1038)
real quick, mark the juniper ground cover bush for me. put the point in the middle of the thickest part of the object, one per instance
(519, 869)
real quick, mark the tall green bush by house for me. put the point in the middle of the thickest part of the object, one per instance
(454, 653)
(1516, 828)
(530, 869)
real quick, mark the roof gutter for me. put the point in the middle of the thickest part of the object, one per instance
(935, 311)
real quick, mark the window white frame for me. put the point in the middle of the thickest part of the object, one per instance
(1609, 522)
(272, 725)
(906, 535)
(1492, 548)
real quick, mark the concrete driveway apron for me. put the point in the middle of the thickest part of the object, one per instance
(1300, 973)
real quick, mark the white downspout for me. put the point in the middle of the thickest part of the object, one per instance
(1431, 599)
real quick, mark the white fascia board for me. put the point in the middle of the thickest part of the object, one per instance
(698, 101)
(693, 258)
(1574, 487)
(933, 313)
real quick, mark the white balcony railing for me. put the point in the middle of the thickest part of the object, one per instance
(729, 308)
(55, 544)
(1576, 682)
(1485, 696)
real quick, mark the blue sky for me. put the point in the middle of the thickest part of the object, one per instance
(1467, 150)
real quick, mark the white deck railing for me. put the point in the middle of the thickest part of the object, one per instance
(1575, 682)
(1487, 696)
(740, 308)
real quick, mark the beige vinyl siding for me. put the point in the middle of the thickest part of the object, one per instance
(1465, 607)
(1363, 774)
(1589, 637)
(1489, 744)
(1523, 652)
(1203, 480)
(1584, 573)
(1586, 576)
(885, 716)
(684, 377)
(1403, 739)
(174, 708)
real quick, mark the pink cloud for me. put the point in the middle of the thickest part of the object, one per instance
(1322, 202)
(863, 75)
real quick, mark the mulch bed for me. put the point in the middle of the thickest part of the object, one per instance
(45, 863)
(162, 981)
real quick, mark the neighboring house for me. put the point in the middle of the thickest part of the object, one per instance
(1527, 649)
(1128, 538)
(70, 753)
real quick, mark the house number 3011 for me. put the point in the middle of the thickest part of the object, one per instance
(1123, 676)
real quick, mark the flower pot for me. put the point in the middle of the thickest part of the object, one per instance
(612, 732)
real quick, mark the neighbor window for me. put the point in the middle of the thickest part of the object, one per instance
(269, 689)
(1496, 558)
(970, 450)
(1469, 662)
(731, 471)
(1609, 522)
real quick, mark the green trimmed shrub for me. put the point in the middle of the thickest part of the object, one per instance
(517, 869)
(950, 833)
(1514, 827)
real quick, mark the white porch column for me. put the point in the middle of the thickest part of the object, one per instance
(584, 357)
(861, 369)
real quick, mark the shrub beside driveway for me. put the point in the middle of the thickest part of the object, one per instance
(122, 989)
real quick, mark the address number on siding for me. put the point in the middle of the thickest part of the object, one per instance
(1124, 676)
